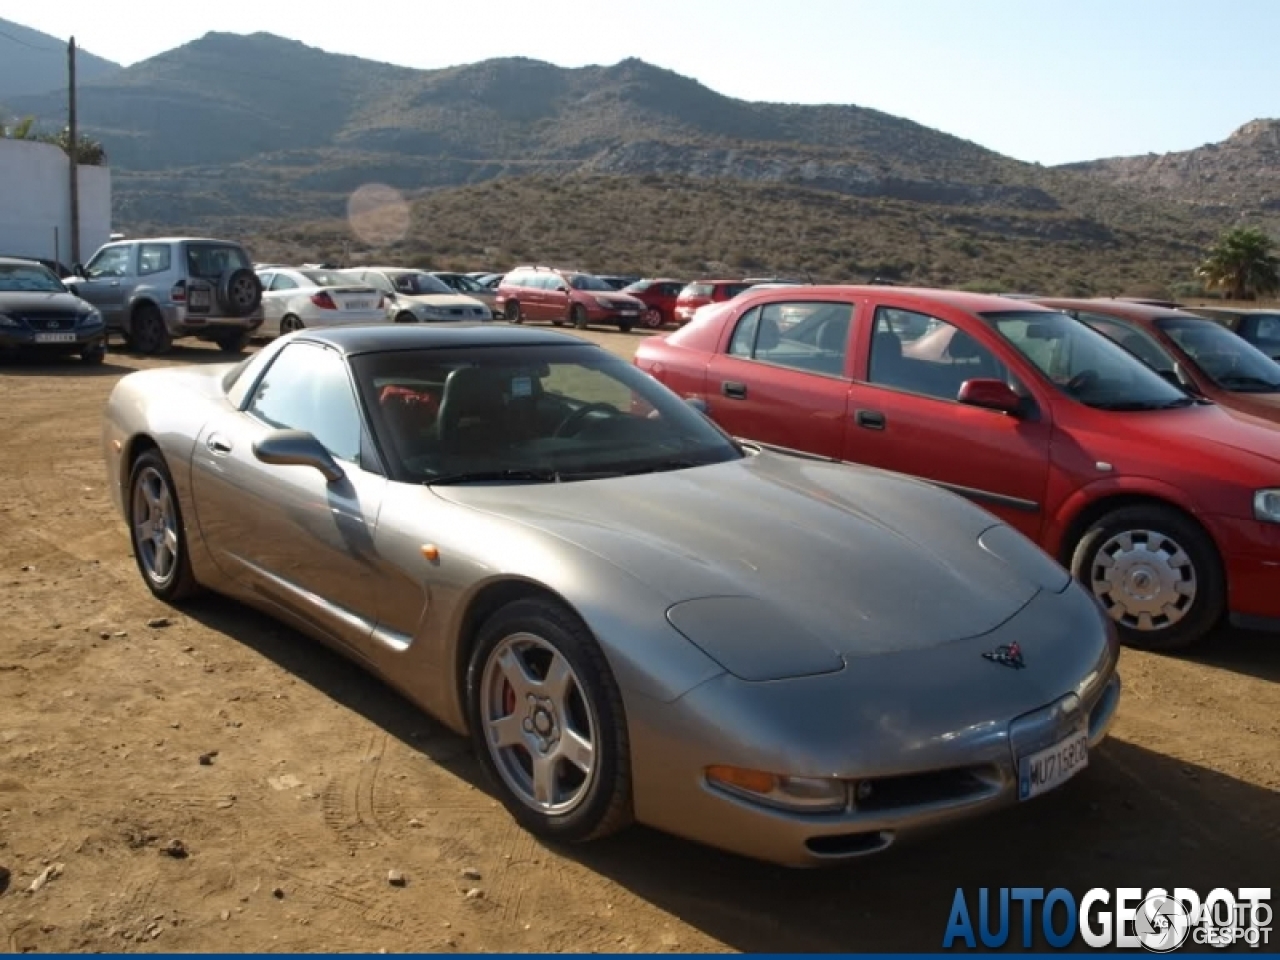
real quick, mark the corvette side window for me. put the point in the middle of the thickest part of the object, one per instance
(307, 388)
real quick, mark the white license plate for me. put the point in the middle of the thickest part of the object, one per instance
(630, 313)
(1046, 769)
(200, 298)
(359, 305)
(55, 338)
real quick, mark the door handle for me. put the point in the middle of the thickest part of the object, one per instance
(737, 391)
(870, 419)
(217, 444)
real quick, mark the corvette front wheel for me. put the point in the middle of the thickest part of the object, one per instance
(547, 721)
(156, 530)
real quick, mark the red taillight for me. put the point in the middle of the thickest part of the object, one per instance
(323, 300)
(179, 292)
(382, 301)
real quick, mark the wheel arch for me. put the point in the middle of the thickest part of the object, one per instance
(487, 600)
(134, 447)
(1076, 524)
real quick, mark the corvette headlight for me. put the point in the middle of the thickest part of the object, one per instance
(6, 321)
(798, 794)
(1266, 506)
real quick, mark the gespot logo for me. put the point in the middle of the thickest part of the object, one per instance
(1157, 920)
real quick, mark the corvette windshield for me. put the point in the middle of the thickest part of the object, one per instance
(28, 278)
(1084, 364)
(1228, 360)
(529, 414)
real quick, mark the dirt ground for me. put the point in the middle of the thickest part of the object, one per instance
(317, 781)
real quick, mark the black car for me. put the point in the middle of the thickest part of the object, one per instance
(39, 313)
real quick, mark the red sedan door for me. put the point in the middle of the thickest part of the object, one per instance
(781, 375)
(905, 416)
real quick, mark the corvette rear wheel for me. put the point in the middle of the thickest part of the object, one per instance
(1156, 573)
(156, 530)
(547, 721)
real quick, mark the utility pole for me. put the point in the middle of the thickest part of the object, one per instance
(73, 151)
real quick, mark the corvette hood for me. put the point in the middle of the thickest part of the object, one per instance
(861, 561)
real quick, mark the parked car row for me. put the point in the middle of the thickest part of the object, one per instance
(1160, 491)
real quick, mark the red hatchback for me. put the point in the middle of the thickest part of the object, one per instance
(659, 299)
(1203, 356)
(701, 292)
(1165, 506)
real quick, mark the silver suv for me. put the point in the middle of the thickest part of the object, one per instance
(155, 291)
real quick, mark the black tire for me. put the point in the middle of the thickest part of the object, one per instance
(512, 311)
(94, 355)
(239, 292)
(234, 342)
(604, 805)
(178, 582)
(289, 323)
(148, 333)
(625, 325)
(404, 316)
(578, 316)
(1191, 621)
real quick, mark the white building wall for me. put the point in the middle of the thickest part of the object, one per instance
(35, 203)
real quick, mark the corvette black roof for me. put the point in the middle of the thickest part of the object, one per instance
(379, 338)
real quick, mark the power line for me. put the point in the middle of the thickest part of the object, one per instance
(27, 43)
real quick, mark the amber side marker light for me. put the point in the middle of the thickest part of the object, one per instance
(431, 552)
(798, 794)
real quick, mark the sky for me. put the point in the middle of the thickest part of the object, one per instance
(1046, 81)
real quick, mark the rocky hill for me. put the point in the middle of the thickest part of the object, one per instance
(1238, 178)
(34, 62)
(269, 138)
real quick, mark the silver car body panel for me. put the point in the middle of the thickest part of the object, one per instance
(775, 612)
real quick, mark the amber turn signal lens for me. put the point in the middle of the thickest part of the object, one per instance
(431, 552)
(754, 781)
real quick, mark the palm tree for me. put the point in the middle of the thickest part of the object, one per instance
(1243, 262)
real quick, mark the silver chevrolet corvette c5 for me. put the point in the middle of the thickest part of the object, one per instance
(633, 616)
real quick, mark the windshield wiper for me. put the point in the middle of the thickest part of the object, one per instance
(1131, 405)
(661, 466)
(497, 476)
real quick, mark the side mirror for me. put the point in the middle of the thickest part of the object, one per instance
(297, 448)
(698, 404)
(77, 269)
(990, 395)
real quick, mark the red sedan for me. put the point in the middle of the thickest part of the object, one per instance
(1203, 356)
(1166, 506)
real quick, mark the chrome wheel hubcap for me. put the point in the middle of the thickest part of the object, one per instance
(539, 726)
(155, 528)
(1145, 580)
